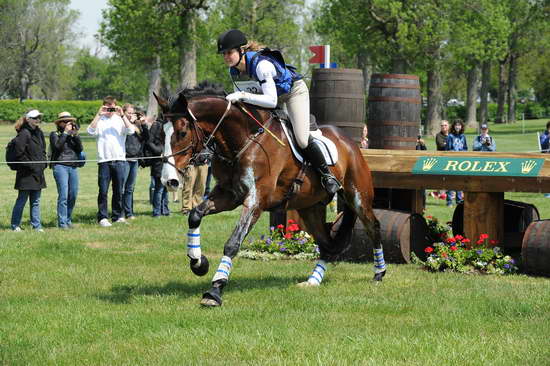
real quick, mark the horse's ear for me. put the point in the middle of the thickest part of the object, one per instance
(162, 102)
(183, 100)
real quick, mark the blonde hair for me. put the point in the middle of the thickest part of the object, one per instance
(253, 46)
(19, 123)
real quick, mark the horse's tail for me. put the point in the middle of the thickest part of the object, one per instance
(341, 231)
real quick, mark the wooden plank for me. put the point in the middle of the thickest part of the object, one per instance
(461, 182)
(483, 214)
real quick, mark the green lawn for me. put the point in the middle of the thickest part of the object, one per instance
(125, 296)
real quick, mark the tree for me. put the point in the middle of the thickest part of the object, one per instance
(32, 50)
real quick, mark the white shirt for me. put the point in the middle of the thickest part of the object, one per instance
(268, 99)
(111, 138)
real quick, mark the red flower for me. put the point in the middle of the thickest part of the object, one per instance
(493, 242)
(459, 237)
(479, 242)
(453, 248)
(444, 255)
(288, 236)
(429, 249)
(293, 227)
(290, 221)
(465, 240)
(280, 226)
(483, 236)
(429, 217)
(451, 240)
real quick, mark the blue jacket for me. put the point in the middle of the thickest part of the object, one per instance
(456, 143)
(480, 146)
(286, 74)
(545, 142)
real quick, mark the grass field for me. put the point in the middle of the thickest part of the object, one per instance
(125, 295)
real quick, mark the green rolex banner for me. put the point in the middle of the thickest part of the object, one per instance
(437, 165)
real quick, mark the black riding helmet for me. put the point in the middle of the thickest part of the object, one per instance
(233, 38)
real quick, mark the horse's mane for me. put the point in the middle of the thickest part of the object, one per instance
(204, 88)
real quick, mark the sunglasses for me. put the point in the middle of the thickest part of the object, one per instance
(35, 118)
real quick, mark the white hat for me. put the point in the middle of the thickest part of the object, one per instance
(33, 114)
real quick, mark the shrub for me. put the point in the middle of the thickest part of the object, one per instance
(83, 111)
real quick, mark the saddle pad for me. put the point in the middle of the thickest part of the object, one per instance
(327, 146)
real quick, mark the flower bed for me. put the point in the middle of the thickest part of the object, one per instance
(288, 242)
(459, 254)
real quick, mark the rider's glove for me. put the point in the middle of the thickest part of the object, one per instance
(235, 97)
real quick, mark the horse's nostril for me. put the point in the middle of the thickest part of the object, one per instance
(173, 183)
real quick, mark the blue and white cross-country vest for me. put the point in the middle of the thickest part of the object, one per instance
(286, 74)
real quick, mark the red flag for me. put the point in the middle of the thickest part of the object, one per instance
(319, 52)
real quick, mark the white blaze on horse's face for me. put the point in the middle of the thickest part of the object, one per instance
(170, 177)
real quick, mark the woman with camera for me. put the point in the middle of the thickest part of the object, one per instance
(66, 147)
(134, 150)
(30, 148)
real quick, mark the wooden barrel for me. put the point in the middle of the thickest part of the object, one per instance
(394, 111)
(517, 217)
(337, 98)
(402, 233)
(535, 249)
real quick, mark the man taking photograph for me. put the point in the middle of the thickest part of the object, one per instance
(110, 126)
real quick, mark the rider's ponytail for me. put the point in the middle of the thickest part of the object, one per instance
(253, 46)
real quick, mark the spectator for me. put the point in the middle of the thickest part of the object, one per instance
(134, 149)
(65, 145)
(365, 138)
(441, 144)
(30, 145)
(194, 183)
(155, 147)
(441, 137)
(456, 141)
(111, 127)
(544, 140)
(420, 144)
(484, 142)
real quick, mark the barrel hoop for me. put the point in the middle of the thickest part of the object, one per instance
(358, 124)
(394, 99)
(402, 139)
(394, 123)
(397, 86)
(332, 95)
(395, 76)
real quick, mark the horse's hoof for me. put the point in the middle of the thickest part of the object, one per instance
(209, 303)
(307, 284)
(378, 276)
(201, 269)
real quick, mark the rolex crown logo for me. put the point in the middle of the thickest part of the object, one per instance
(527, 166)
(428, 164)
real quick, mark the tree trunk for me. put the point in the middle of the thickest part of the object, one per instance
(502, 86)
(188, 52)
(399, 65)
(485, 84)
(471, 97)
(512, 92)
(154, 87)
(433, 117)
(363, 64)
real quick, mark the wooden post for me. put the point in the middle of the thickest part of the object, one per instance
(483, 214)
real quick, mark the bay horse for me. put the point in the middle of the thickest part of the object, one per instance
(252, 169)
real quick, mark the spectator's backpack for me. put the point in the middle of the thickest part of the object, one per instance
(11, 155)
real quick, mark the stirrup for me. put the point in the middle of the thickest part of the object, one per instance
(330, 184)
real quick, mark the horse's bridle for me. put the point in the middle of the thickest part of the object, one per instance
(196, 130)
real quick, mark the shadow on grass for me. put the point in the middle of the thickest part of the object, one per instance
(124, 294)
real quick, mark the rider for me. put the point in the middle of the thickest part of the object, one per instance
(271, 83)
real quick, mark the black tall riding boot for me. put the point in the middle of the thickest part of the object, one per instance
(315, 156)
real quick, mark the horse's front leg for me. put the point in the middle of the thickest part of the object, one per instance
(217, 201)
(249, 216)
